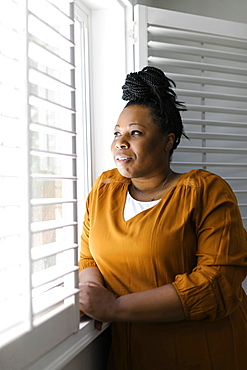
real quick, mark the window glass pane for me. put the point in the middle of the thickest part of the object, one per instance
(63, 258)
(59, 212)
(46, 115)
(58, 188)
(58, 97)
(52, 140)
(47, 64)
(60, 236)
(63, 166)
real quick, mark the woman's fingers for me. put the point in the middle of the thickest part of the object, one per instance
(98, 325)
(97, 302)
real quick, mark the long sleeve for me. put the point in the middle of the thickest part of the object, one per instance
(86, 258)
(213, 289)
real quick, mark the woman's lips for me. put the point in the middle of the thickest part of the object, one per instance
(123, 159)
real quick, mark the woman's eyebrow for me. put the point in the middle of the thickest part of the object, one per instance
(132, 124)
(137, 124)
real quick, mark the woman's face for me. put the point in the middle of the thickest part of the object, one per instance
(139, 148)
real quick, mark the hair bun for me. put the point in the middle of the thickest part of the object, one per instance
(143, 85)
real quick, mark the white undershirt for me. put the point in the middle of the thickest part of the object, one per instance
(133, 207)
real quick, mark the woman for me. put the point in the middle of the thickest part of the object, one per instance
(163, 254)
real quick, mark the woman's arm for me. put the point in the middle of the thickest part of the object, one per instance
(160, 304)
(91, 274)
(213, 289)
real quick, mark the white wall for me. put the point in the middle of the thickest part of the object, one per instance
(108, 64)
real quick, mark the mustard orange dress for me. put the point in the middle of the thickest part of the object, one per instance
(194, 239)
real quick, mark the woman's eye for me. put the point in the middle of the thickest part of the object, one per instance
(136, 132)
(116, 133)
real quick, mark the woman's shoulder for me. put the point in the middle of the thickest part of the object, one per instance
(200, 175)
(110, 177)
(113, 175)
(204, 178)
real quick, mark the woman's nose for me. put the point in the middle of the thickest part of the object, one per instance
(122, 144)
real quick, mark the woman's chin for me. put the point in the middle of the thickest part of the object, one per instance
(124, 172)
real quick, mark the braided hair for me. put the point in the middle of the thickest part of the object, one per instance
(150, 87)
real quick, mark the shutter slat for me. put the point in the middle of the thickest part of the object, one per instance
(52, 298)
(197, 36)
(214, 123)
(206, 149)
(49, 201)
(207, 108)
(49, 57)
(38, 176)
(40, 127)
(46, 32)
(217, 136)
(51, 274)
(9, 65)
(207, 80)
(194, 65)
(198, 51)
(235, 178)
(210, 95)
(51, 249)
(51, 154)
(50, 225)
(47, 104)
(197, 164)
(42, 79)
(48, 12)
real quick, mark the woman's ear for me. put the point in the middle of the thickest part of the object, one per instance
(170, 138)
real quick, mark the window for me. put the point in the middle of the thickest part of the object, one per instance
(38, 209)
(45, 167)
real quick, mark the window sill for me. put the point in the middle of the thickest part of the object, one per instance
(71, 347)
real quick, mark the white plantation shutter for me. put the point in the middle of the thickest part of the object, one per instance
(207, 60)
(14, 261)
(38, 204)
(53, 155)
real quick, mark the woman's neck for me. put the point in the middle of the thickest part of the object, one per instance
(155, 188)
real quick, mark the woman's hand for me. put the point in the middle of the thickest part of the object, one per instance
(97, 324)
(97, 302)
